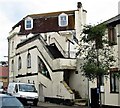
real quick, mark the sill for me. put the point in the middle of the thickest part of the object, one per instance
(28, 28)
(29, 67)
(114, 92)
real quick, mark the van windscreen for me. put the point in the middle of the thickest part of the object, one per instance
(27, 88)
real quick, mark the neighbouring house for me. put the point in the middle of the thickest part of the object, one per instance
(111, 88)
(42, 50)
(4, 74)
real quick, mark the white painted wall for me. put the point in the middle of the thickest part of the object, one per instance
(53, 87)
(109, 98)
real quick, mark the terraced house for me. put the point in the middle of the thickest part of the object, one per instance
(42, 50)
(111, 92)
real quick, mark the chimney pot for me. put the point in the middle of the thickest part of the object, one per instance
(79, 5)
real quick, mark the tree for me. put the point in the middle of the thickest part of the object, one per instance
(98, 53)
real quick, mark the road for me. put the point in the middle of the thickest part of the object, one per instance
(56, 107)
(51, 105)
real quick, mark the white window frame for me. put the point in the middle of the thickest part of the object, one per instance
(26, 21)
(61, 22)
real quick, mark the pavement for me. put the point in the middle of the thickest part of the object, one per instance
(53, 105)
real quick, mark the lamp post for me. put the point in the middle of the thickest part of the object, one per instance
(88, 94)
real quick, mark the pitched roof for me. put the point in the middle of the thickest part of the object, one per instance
(51, 14)
(113, 19)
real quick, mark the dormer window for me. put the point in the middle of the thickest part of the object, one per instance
(28, 23)
(63, 20)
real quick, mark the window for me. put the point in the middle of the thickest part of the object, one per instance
(28, 23)
(12, 66)
(28, 60)
(112, 36)
(12, 46)
(114, 82)
(42, 68)
(19, 63)
(63, 20)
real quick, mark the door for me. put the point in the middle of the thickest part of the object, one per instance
(94, 98)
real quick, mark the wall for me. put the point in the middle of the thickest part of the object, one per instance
(109, 98)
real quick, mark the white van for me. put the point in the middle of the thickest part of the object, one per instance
(25, 92)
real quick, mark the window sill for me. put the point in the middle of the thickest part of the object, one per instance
(114, 92)
(29, 67)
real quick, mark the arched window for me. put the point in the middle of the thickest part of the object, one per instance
(12, 66)
(63, 20)
(28, 60)
(19, 63)
(28, 23)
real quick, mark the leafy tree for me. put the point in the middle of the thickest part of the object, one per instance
(98, 55)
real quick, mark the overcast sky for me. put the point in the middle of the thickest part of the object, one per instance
(12, 11)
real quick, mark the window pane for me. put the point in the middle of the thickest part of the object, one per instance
(28, 24)
(116, 84)
(63, 20)
(112, 83)
(19, 63)
(29, 60)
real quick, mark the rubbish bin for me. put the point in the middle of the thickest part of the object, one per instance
(94, 98)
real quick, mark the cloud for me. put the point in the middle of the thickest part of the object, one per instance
(5, 27)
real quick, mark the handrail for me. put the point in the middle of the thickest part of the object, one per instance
(67, 87)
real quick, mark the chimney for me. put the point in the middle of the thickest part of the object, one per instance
(118, 7)
(79, 5)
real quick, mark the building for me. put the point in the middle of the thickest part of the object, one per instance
(111, 87)
(4, 73)
(42, 50)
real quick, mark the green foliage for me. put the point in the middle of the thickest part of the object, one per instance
(99, 56)
(93, 32)
(92, 71)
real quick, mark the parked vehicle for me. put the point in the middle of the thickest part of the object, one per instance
(7, 101)
(25, 92)
(1, 86)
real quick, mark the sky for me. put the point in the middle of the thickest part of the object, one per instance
(12, 11)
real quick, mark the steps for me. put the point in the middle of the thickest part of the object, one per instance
(67, 87)
(78, 99)
(80, 102)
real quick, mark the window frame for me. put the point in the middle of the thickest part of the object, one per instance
(12, 46)
(28, 60)
(112, 35)
(19, 63)
(42, 68)
(28, 19)
(61, 22)
(114, 86)
(12, 66)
